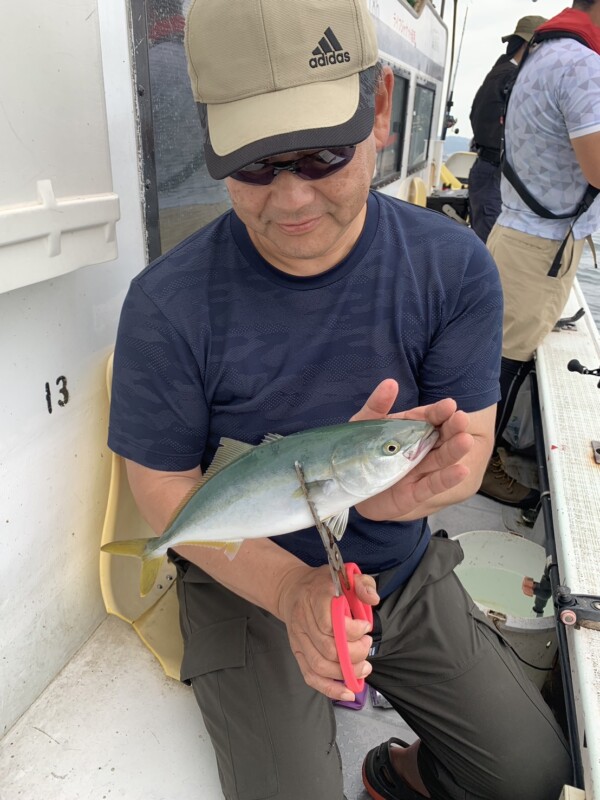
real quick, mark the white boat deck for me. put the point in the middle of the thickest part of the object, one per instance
(571, 416)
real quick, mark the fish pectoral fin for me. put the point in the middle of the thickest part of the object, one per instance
(338, 524)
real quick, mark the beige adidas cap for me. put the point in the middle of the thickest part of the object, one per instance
(279, 76)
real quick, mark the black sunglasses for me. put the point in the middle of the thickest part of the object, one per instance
(309, 167)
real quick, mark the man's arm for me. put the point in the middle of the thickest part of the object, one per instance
(268, 576)
(587, 152)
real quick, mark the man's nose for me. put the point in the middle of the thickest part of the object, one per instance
(288, 190)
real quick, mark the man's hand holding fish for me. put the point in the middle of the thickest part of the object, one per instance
(449, 473)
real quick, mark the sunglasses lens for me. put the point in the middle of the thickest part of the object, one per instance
(310, 167)
(324, 163)
(259, 174)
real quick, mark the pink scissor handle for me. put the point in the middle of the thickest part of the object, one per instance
(348, 605)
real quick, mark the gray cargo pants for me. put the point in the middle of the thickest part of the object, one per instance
(486, 732)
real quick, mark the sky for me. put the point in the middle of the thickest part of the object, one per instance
(486, 22)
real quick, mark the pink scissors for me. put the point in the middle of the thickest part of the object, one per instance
(345, 603)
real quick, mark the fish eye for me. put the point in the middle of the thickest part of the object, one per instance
(391, 448)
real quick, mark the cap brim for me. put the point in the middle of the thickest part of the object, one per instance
(318, 115)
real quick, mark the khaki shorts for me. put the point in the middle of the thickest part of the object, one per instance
(533, 302)
(486, 733)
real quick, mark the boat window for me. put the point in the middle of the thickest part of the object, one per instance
(389, 159)
(420, 132)
(185, 195)
(416, 5)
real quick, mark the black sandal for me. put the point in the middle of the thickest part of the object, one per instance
(380, 778)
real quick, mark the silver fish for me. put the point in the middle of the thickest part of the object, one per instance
(253, 491)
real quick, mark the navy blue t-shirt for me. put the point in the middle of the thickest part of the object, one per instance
(214, 341)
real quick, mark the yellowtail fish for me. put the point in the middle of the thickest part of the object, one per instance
(253, 491)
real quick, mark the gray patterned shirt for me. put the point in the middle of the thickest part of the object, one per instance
(556, 99)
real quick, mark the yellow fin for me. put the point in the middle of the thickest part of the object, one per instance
(150, 567)
(230, 547)
(127, 547)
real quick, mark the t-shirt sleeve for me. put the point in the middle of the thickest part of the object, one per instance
(580, 107)
(158, 413)
(463, 360)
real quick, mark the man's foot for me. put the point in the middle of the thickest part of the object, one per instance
(380, 778)
(498, 485)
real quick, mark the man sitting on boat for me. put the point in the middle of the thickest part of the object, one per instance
(312, 302)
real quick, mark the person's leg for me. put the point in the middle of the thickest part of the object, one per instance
(512, 376)
(485, 731)
(497, 483)
(273, 736)
(485, 201)
(533, 303)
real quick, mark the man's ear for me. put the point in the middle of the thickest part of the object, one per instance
(383, 107)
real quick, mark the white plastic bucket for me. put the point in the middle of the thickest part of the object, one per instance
(492, 572)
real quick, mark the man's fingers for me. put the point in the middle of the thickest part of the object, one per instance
(449, 452)
(365, 589)
(326, 677)
(437, 482)
(380, 401)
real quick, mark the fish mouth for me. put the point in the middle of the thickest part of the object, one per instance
(423, 446)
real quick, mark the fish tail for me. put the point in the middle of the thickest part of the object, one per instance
(150, 567)
(127, 547)
(138, 549)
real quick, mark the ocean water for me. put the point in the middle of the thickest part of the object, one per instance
(589, 278)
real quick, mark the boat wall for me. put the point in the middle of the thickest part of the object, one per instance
(415, 45)
(71, 237)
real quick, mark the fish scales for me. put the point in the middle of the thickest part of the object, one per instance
(253, 491)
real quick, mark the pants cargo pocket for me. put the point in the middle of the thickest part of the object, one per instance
(219, 665)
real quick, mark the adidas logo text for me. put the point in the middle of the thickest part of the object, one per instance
(328, 51)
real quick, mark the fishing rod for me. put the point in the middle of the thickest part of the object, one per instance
(449, 120)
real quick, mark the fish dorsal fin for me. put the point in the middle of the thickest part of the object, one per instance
(227, 452)
(337, 525)
(272, 437)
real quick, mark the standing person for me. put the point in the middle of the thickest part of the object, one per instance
(312, 302)
(487, 118)
(553, 146)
